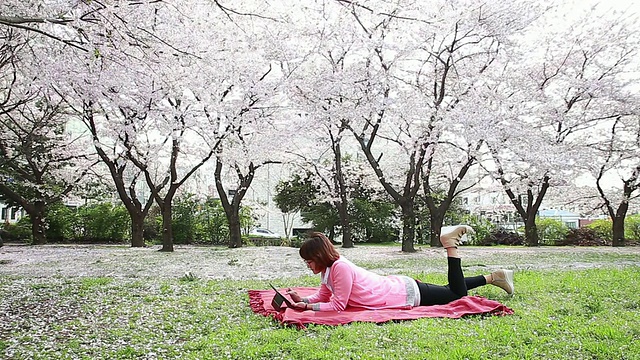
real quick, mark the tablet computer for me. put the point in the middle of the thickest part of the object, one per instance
(278, 299)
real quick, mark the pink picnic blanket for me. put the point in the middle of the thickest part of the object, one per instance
(260, 302)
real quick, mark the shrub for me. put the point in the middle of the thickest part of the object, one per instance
(183, 221)
(502, 237)
(213, 226)
(104, 222)
(204, 222)
(483, 228)
(61, 222)
(632, 227)
(18, 232)
(551, 230)
(583, 237)
(603, 228)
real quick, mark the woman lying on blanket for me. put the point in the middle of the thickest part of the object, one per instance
(345, 284)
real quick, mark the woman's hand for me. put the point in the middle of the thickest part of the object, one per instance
(294, 295)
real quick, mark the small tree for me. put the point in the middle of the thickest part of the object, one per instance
(483, 227)
(39, 158)
(373, 220)
(215, 223)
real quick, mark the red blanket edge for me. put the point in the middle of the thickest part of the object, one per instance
(257, 305)
(256, 302)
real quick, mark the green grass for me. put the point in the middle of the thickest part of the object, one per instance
(559, 314)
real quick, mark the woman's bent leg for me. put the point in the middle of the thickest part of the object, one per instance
(431, 294)
(458, 286)
(456, 277)
(475, 281)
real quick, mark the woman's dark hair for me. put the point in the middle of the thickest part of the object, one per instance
(318, 248)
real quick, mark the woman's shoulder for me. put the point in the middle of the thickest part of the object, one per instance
(342, 264)
(342, 261)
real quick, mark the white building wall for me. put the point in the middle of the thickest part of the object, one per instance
(10, 215)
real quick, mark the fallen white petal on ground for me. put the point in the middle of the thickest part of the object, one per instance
(262, 263)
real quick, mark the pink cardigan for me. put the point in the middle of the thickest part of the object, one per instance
(346, 284)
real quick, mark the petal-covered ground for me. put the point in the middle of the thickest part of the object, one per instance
(116, 302)
(262, 263)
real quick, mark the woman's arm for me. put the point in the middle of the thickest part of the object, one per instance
(341, 279)
(322, 295)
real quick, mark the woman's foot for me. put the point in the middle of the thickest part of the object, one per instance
(503, 279)
(450, 235)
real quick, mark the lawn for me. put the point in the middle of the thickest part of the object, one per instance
(569, 304)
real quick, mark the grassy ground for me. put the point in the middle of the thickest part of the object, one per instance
(586, 311)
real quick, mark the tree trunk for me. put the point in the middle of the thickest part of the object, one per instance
(618, 224)
(38, 223)
(167, 229)
(137, 230)
(408, 227)
(235, 235)
(436, 226)
(618, 231)
(619, 217)
(531, 230)
(347, 242)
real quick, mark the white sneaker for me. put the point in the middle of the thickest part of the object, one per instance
(450, 235)
(503, 279)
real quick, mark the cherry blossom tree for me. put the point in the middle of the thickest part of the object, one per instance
(160, 99)
(40, 160)
(43, 159)
(12, 43)
(321, 100)
(613, 162)
(418, 63)
(243, 175)
(559, 85)
(125, 180)
(630, 181)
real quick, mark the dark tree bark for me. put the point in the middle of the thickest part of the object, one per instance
(36, 213)
(117, 166)
(232, 206)
(529, 213)
(439, 207)
(619, 214)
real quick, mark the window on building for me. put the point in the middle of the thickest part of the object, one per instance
(4, 213)
(571, 224)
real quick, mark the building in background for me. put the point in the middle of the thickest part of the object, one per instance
(11, 215)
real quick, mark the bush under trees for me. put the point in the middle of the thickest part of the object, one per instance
(583, 237)
(603, 228)
(502, 237)
(197, 221)
(551, 230)
(632, 227)
(92, 223)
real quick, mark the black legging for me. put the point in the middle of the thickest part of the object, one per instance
(458, 285)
